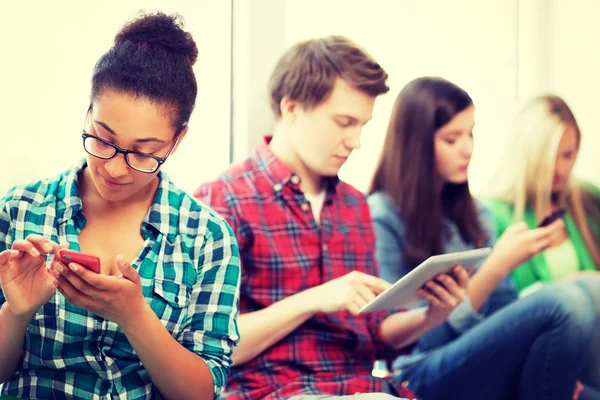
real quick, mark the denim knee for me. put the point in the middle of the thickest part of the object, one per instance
(591, 286)
(569, 304)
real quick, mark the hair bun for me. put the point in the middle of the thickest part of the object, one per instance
(161, 30)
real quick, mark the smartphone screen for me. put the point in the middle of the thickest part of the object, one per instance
(553, 217)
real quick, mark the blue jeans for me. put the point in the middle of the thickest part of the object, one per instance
(358, 396)
(590, 376)
(533, 348)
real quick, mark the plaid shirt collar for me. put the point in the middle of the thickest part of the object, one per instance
(279, 175)
(158, 220)
(68, 202)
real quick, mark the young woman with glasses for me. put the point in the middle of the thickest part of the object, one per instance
(159, 320)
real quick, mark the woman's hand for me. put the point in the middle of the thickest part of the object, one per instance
(26, 282)
(519, 243)
(445, 293)
(116, 298)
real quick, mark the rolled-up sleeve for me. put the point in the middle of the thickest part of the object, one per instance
(212, 330)
(5, 234)
(464, 316)
(383, 349)
(389, 238)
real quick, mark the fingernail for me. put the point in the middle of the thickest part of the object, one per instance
(59, 267)
(35, 253)
(48, 247)
(73, 267)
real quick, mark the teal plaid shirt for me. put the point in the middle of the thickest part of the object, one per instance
(189, 267)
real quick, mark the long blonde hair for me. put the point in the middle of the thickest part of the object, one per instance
(538, 129)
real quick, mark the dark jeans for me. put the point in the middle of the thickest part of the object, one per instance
(533, 348)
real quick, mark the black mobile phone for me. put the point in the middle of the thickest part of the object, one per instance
(553, 217)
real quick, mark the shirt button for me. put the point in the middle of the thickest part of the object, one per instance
(278, 187)
(305, 206)
(295, 179)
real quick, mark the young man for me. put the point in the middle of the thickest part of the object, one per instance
(306, 240)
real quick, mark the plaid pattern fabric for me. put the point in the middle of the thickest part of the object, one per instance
(189, 267)
(283, 252)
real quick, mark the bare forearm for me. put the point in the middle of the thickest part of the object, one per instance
(12, 335)
(174, 370)
(485, 281)
(260, 330)
(404, 328)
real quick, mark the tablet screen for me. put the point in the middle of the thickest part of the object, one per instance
(404, 292)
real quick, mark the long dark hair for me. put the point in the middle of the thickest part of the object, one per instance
(407, 169)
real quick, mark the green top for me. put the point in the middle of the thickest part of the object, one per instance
(562, 260)
(536, 269)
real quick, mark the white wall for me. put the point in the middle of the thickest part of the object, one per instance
(471, 43)
(502, 52)
(48, 52)
(457, 40)
(258, 42)
(573, 71)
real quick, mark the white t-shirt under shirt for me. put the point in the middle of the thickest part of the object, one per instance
(561, 260)
(316, 204)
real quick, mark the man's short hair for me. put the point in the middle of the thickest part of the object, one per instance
(308, 70)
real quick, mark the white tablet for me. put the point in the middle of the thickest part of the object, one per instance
(404, 291)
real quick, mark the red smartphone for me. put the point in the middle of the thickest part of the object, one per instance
(86, 260)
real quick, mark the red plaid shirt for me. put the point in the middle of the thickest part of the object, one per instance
(283, 252)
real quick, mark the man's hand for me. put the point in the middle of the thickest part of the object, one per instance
(350, 292)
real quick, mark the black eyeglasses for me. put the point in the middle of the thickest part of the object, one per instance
(141, 162)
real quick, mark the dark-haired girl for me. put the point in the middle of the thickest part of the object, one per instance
(159, 320)
(492, 346)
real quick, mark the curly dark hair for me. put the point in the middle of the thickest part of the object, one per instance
(152, 57)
